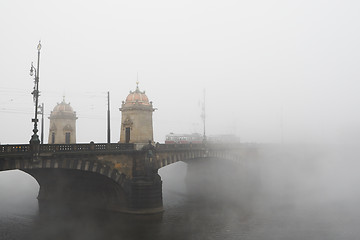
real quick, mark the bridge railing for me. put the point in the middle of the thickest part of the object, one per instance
(98, 147)
(47, 148)
(113, 146)
(178, 146)
(15, 148)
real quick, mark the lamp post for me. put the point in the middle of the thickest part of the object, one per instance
(35, 138)
(41, 111)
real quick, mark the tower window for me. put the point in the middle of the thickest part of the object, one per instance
(67, 138)
(127, 135)
(52, 138)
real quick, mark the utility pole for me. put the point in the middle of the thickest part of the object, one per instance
(108, 118)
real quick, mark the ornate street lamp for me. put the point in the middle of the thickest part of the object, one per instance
(41, 111)
(35, 138)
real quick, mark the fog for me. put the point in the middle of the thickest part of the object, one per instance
(311, 193)
(280, 74)
(287, 192)
(272, 70)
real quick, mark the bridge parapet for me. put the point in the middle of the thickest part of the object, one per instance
(181, 147)
(98, 147)
(8, 149)
(51, 148)
(104, 147)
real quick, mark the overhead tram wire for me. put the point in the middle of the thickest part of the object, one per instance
(14, 111)
(49, 93)
(15, 95)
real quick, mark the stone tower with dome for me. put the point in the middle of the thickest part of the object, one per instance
(136, 118)
(62, 124)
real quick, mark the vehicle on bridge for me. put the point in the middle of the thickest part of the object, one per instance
(195, 138)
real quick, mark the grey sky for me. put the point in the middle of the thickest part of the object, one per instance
(261, 62)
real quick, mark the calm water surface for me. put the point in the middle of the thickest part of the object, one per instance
(301, 202)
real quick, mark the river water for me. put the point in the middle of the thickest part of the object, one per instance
(287, 196)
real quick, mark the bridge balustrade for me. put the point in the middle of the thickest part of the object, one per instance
(50, 148)
(179, 146)
(15, 148)
(64, 147)
(113, 146)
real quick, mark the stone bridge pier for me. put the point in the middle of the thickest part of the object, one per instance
(144, 189)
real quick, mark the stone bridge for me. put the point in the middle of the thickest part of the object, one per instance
(115, 176)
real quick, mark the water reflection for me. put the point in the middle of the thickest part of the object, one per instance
(70, 222)
(299, 199)
(188, 220)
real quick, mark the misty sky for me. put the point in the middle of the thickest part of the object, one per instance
(264, 64)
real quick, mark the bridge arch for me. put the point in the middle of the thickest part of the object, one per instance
(86, 165)
(173, 154)
(170, 157)
(72, 180)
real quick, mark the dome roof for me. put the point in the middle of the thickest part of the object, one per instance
(137, 97)
(63, 107)
(63, 110)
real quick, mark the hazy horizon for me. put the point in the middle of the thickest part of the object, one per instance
(270, 69)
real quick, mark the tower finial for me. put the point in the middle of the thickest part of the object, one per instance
(39, 46)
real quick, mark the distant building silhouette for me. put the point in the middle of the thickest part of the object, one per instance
(136, 118)
(62, 124)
